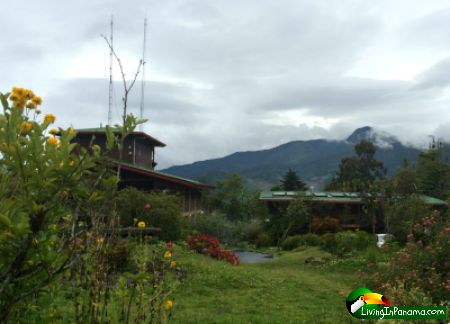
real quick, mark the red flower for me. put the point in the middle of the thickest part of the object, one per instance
(169, 244)
(148, 206)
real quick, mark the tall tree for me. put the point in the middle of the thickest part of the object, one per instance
(291, 181)
(433, 174)
(357, 173)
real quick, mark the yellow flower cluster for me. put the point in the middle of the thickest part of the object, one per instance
(53, 141)
(26, 127)
(49, 118)
(22, 98)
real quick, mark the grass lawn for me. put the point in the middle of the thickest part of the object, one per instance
(280, 291)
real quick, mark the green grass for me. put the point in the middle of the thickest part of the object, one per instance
(279, 291)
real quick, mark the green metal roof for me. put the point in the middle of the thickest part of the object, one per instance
(163, 175)
(331, 197)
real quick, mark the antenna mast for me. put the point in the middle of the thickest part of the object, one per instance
(143, 75)
(110, 73)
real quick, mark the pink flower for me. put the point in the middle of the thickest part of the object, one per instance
(148, 206)
(169, 244)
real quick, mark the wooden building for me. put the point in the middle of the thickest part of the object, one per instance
(347, 207)
(137, 167)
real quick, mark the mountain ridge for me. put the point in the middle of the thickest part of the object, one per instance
(315, 161)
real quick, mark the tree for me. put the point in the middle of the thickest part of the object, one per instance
(291, 182)
(294, 219)
(433, 174)
(233, 198)
(357, 173)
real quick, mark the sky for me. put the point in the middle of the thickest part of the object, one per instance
(226, 75)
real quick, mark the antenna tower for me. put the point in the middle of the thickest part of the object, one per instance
(143, 75)
(110, 73)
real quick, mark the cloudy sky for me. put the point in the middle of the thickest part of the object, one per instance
(225, 75)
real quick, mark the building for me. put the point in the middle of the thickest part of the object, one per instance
(137, 167)
(347, 207)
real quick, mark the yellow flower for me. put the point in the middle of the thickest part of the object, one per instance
(169, 304)
(61, 164)
(167, 254)
(37, 100)
(13, 97)
(53, 141)
(49, 118)
(71, 130)
(173, 263)
(100, 240)
(141, 224)
(53, 131)
(19, 91)
(72, 163)
(26, 127)
(30, 105)
(29, 94)
(20, 103)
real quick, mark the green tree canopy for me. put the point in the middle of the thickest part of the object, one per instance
(433, 174)
(357, 173)
(292, 182)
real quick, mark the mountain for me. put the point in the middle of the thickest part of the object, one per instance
(315, 161)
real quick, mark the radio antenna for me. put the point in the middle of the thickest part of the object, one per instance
(110, 72)
(143, 75)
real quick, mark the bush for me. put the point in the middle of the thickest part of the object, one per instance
(252, 231)
(156, 210)
(217, 225)
(207, 244)
(295, 241)
(291, 242)
(346, 243)
(423, 264)
(263, 240)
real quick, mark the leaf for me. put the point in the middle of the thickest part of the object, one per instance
(3, 98)
(5, 220)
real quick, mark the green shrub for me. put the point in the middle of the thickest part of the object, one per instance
(156, 210)
(291, 242)
(347, 243)
(295, 241)
(216, 224)
(263, 240)
(252, 231)
(311, 239)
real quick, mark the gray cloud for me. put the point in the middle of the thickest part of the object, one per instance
(226, 76)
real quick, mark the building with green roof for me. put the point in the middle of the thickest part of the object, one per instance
(347, 207)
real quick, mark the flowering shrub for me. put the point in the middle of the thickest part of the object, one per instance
(423, 264)
(207, 244)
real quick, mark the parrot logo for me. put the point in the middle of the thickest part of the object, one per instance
(363, 296)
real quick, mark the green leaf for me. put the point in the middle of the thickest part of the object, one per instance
(3, 98)
(5, 220)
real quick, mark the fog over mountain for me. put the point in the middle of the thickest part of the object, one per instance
(315, 161)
